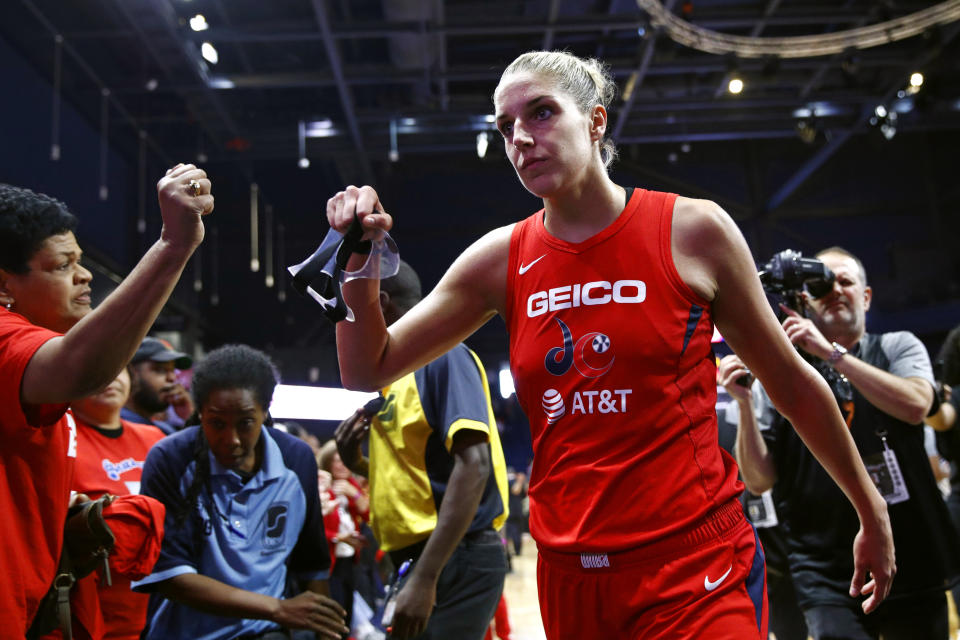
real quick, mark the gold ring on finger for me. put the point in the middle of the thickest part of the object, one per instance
(193, 188)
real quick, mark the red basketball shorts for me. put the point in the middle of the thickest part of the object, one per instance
(707, 583)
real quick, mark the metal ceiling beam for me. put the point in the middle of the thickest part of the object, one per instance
(440, 12)
(620, 22)
(279, 150)
(385, 75)
(839, 139)
(241, 53)
(646, 57)
(552, 12)
(829, 62)
(191, 58)
(346, 98)
(755, 32)
(73, 53)
(604, 32)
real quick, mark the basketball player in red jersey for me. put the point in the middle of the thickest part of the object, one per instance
(610, 296)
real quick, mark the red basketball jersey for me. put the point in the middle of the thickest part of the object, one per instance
(611, 355)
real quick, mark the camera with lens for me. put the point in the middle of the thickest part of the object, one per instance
(788, 273)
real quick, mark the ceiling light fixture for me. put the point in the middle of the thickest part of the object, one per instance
(254, 228)
(209, 53)
(886, 120)
(735, 86)
(199, 23)
(394, 154)
(807, 130)
(505, 380)
(483, 143)
(304, 162)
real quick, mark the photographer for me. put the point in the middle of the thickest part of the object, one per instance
(890, 391)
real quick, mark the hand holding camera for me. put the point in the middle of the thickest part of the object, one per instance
(736, 378)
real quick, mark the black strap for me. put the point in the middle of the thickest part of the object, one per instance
(312, 275)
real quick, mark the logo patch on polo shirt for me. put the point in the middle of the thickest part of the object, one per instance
(274, 525)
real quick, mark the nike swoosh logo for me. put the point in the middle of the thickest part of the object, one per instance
(526, 267)
(711, 585)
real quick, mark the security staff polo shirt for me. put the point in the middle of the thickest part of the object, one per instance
(244, 534)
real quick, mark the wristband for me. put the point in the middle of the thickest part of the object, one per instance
(838, 352)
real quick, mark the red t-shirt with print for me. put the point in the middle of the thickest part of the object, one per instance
(38, 448)
(112, 462)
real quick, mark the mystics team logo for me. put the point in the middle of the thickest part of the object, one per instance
(591, 355)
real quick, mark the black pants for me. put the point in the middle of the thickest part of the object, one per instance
(515, 535)
(342, 584)
(469, 589)
(915, 618)
(785, 620)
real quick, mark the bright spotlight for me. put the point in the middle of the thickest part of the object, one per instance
(483, 143)
(315, 403)
(199, 23)
(881, 111)
(916, 79)
(506, 382)
(735, 86)
(304, 163)
(209, 53)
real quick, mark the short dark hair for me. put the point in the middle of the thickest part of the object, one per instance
(948, 359)
(235, 366)
(844, 252)
(404, 288)
(27, 219)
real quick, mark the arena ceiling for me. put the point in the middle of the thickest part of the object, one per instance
(397, 92)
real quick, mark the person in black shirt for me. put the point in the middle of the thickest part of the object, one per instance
(891, 392)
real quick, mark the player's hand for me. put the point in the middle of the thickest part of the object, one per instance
(873, 554)
(349, 435)
(415, 603)
(730, 371)
(313, 612)
(804, 334)
(181, 208)
(362, 201)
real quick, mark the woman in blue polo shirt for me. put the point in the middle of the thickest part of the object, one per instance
(244, 528)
